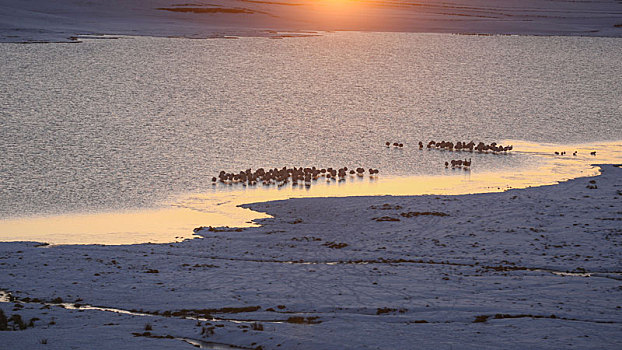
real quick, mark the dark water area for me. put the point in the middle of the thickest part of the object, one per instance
(128, 123)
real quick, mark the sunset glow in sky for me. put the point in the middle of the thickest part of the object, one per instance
(340, 13)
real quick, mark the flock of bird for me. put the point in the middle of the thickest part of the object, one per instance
(459, 146)
(305, 176)
(467, 147)
(395, 144)
(480, 147)
(282, 176)
(593, 153)
(465, 164)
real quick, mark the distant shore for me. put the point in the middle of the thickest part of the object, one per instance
(66, 20)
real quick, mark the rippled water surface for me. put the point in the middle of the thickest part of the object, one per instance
(128, 123)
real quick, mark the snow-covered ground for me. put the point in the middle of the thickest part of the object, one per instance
(60, 20)
(529, 268)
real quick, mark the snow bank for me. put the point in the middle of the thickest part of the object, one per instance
(529, 268)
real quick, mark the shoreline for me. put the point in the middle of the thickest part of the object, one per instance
(175, 220)
(78, 38)
(538, 260)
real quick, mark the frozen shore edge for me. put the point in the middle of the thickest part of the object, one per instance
(536, 267)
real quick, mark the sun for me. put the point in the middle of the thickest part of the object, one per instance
(336, 13)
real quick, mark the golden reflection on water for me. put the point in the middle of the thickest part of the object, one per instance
(176, 220)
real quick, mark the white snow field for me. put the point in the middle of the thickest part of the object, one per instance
(535, 268)
(63, 20)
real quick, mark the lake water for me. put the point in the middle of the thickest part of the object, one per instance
(130, 123)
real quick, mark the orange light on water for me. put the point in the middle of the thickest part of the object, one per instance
(176, 220)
